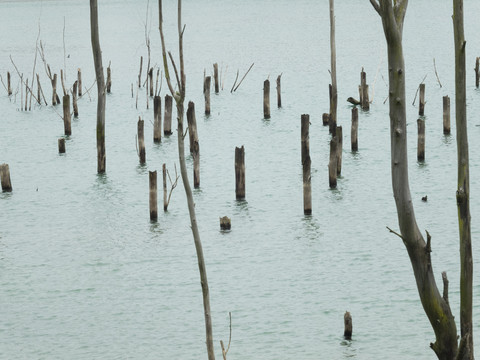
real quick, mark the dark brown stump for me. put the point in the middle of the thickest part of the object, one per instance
(196, 164)
(477, 72)
(363, 90)
(306, 163)
(109, 79)
(167, 116)
(421, 140)
(332, 164)
(192, 125)
(325, 119)
(152, 181)
(79, 79)
(165, 198)
(150, 77)
(74, 98)
(446, 115)
(332, 122)
(140, 73)
(61, 145)
(67, 120)
(339, 137)
(5, 178)
(215, 77)
(266, 99)
(141, 141)
(54, 90)
(347, 319)
(206, 92)
(421, 107)
(157, 119)
(354, 131)
(279, 91)
(225, 223)
(240, 173)
(9, 83)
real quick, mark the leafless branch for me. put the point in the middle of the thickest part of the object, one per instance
(436, 74)
(394, 232)
(244, 76)
(235, 82)
(375, 6)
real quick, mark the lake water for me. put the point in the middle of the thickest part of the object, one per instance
(84, 274)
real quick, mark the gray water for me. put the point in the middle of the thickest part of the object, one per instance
(84, 274)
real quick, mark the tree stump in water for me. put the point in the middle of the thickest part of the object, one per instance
(215, 76)
(157, 119)
(339, 137)
(279, 91)
(325, 119)
(446, 115)
(225, 223)
(240, 173)
(152, 181)
(67, 120)
(354, 131)
(5, 178)
(266, 99)
(61, 145)
(421, 107)
(332, 164)
(206, 92)
(348, 328)
(421, 140)
(306, 164)
(141, 141)
(167, 117)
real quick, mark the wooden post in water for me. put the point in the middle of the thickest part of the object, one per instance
(109, 79)
(150, 77)
(74, 98)
(79, 79)
(5, 178)
(67, 120)
(225, 223)
(140, 72)
(363, 90)
(39, 90)
(306, 163)
(54, 90)
(421, 140)
(279, 91)
(332, 164)
(167, 116)
(240, 173)
(141, 141)
(61, 145)
(165, 199)
(332, 120)
(26, 94)
(196, 164)
(152, 182)
(325, 119)
(339, 137)
(192, 125)
(446, 115)
(9, 84)
(266, 99)
(421, 107)
(354, 131)
(157, 119)
(215, 76)
(206, 92)
(477, 72)
(347, 320)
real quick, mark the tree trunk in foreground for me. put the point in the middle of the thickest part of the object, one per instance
(435, 306)
(463, 190)
(97, 59)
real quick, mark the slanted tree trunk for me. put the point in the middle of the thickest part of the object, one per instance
(435, 306)
(97, 59)
(179, 96)
(463, 190)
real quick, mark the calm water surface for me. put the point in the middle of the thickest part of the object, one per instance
(84, 274)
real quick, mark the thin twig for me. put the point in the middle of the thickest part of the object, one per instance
(244, 76)
(392, 231)
(235, 82)
(418, 88)
(436, 74)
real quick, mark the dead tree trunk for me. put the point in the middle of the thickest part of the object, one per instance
(215, 77)
(157, 119)
(150, 77)
(266, 99)
(364, 99)
(141, 141)
(192, 125)
(477, 72)
(61, 145)
(9, 84)
(339, 137)
(240, 173)
(333, 69)
(97, 59)
(279, 91)
(165, 199)
(446, 115)
(54, 90)
(436, 307)
(152, 181)
(354, 131)
(5, 178)
(421, 106)
(109, 79)
(306, 164)
(463, 190)
(179, 96)
(67, 120)
(79, 79)
(332, 164)
(348, 328)
(74, 99)
(421, 140)
(206, 92)
(167, 116)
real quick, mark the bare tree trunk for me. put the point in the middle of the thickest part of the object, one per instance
(97, 59)
(463, 190)
(179, 97)
(435, 306)
(333, 67)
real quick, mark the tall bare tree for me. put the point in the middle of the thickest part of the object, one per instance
(179, 97)
(436, 306)
(97, 59)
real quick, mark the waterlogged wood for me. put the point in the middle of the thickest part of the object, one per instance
(74, 99)
(167, 116)
(325, 119)
(477, 72)
(67, 119)
(109, 79)
(225, 223)
(165, 198)
(141, 141)
(339, 137)
(421, 140)
(150, 81)
(279, 91)
(79, 79)
(152, 181)
(354, 130)
(192, 125)
(206, 92)
(240, 173)
(348, 326)
(332, 164)
(306, 164)
(215, 76)
(61, 145)
(5, 178)
(266, 99)
(446, 115)
(363, 90)
(9, 83)
(332, 118)
(54, 90)
(421, 107)
(157, 119)
(196, 164)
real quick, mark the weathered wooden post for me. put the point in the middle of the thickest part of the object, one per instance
(225, 223)
(150, 77)
(152, 181)
(421, 107)
(421, 140)
(339, 137)
(206, 92)
(196, 164)
(141, 141)
(79, 79)
(325, 119)
(67, 119)
(279, 91)
(165, 199)
(109, 79)
(477, 72)
(347, 320)
(9, 84)
(446, 115)
(74, 99)
(363, 90)
(140, 73)
(5, 178)
(354, 131)
(54, 90)
(266, 99)
(167, 116)
(61, 145)
(192, 125)
(332, 120)
(306, 163)
(157, 119)
(240, 173)
(215, 76)
(332, 164)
